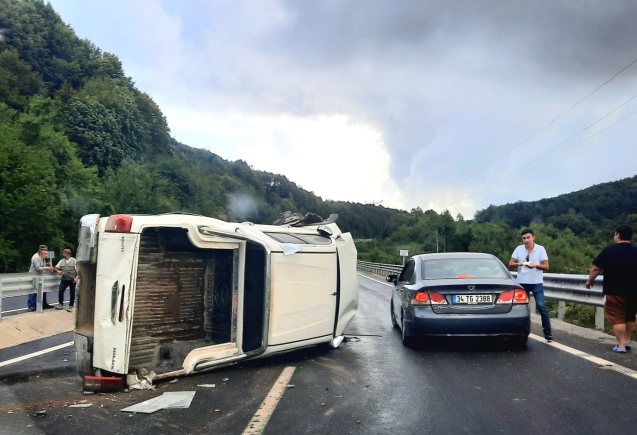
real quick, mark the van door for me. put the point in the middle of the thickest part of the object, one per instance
(113, 300)
(302, 296)
(348, 285)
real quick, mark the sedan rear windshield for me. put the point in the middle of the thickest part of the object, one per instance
(463, 268)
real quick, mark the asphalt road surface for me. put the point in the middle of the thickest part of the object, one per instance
(372, 384)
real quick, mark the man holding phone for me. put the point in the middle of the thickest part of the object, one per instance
(532, 260)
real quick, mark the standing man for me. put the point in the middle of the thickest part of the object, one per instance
(39, 265)
(532, 260)
(66, 268)
(619, 262)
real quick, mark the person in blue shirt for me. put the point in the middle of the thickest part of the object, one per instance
(532, 261)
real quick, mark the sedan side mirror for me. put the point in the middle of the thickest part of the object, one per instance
(392, 278)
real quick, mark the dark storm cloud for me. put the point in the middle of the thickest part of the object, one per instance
(581, 39)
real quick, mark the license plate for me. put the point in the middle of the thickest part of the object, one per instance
(472, 299)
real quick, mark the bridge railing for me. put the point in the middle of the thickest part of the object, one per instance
(557, 286)
(20, 284)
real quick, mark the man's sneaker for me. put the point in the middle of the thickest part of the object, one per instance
(619, 349)
(628, 346)
(59, 307)
(548, 337)
(69, 309)
(31, 308)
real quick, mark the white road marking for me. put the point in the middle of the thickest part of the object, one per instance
(372, 279)
(263, 414)
(34, 354)
(596, 360)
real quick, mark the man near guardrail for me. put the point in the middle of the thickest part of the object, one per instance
(39, 265)
(532, 260)
(619, 263)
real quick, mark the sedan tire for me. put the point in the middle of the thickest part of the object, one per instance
(394, 323)
(408, 340)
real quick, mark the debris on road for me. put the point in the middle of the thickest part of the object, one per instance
(81, 405)
(206, 385)
(225, 379)
(146, 383)
(168, 400)
(40, 413)
(174, 381)
(289, 386)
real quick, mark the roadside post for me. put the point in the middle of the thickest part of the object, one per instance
(404, 253)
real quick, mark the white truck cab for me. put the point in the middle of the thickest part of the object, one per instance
(178, 293)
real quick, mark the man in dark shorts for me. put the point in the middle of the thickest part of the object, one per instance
(619, 263)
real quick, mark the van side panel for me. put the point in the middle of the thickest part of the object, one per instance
(116, 255)
(303, 296)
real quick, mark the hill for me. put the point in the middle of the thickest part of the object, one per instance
(77, 137)
(590, 213)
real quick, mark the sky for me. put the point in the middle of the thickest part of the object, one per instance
(439, 105)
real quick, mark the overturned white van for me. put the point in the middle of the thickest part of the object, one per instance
(179, 293)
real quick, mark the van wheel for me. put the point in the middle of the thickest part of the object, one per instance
(394, 323)
(85, 365)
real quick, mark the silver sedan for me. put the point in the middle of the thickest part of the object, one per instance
(459, 294)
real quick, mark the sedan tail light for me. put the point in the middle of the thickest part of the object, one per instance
(422, 297)
(515, 296)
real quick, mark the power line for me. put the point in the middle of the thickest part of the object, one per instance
(502, 180)
(536, 133)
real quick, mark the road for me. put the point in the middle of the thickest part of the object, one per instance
(372, 384)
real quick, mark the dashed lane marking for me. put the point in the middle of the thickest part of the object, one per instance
(263, 414)
(34, 354)
(596, 360)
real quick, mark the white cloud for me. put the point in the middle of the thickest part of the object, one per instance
(328, 155)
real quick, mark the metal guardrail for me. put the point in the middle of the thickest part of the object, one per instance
(557, 286)
(20, 284)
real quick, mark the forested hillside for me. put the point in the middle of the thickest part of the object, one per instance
(77, 137)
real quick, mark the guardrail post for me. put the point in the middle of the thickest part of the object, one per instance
(599, 317)
(39, 285)
(561, 309)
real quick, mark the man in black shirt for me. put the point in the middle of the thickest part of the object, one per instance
(619, 263)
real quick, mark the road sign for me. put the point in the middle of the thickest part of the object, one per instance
(404, 253)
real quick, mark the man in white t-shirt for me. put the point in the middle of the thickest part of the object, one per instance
(532, 260)
(66, 268)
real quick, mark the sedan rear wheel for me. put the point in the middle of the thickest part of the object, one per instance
(408, 340)
(394, 323)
